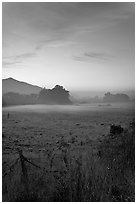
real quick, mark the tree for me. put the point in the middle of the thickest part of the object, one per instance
(115, 97)
(57, 95)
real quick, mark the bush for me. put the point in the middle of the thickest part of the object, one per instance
(118, 154)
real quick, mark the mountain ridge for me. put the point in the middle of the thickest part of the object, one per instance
(12, 85)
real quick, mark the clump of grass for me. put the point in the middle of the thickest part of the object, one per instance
(117, 153)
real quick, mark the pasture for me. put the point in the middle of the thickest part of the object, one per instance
(65, 142)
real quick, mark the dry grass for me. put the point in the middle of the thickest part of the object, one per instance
(79, 159)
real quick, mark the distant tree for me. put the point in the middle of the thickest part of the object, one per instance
(57, 95)
(3, 102)
(12, 98)
(108, 97)
(44, 96)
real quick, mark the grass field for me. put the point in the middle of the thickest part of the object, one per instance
(69, 142)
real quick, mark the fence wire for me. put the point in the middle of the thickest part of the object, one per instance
(21, 156)
(11, 168)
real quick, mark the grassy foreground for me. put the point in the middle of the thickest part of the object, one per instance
(100, 171)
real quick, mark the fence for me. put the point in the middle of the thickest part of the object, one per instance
(24, 172)
(24, 160)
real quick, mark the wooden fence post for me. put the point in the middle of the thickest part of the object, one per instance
(24, 176)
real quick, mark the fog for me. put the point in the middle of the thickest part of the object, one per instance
(69, 108)
(79, 94)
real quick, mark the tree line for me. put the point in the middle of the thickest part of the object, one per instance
(57, 95)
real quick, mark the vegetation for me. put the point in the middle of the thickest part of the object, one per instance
(12, 98)
(115, 97)
(104, 173)
(57, 95)
(117, 152)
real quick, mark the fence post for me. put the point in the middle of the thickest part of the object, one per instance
(24, 176)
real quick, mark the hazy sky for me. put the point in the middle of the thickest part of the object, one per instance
(82, 46)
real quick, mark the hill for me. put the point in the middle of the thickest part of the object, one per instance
(20, 93)
(12, 85)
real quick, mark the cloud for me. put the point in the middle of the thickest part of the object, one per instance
(12, 60)
(90, 56)
(8, 63)
(56, 20)
(54, 44)
(96, 55)
(25, 56)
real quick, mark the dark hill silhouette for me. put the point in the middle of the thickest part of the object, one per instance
(12, 85)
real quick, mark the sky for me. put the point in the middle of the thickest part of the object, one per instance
(82, 46)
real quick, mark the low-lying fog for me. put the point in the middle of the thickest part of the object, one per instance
(70, 108)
